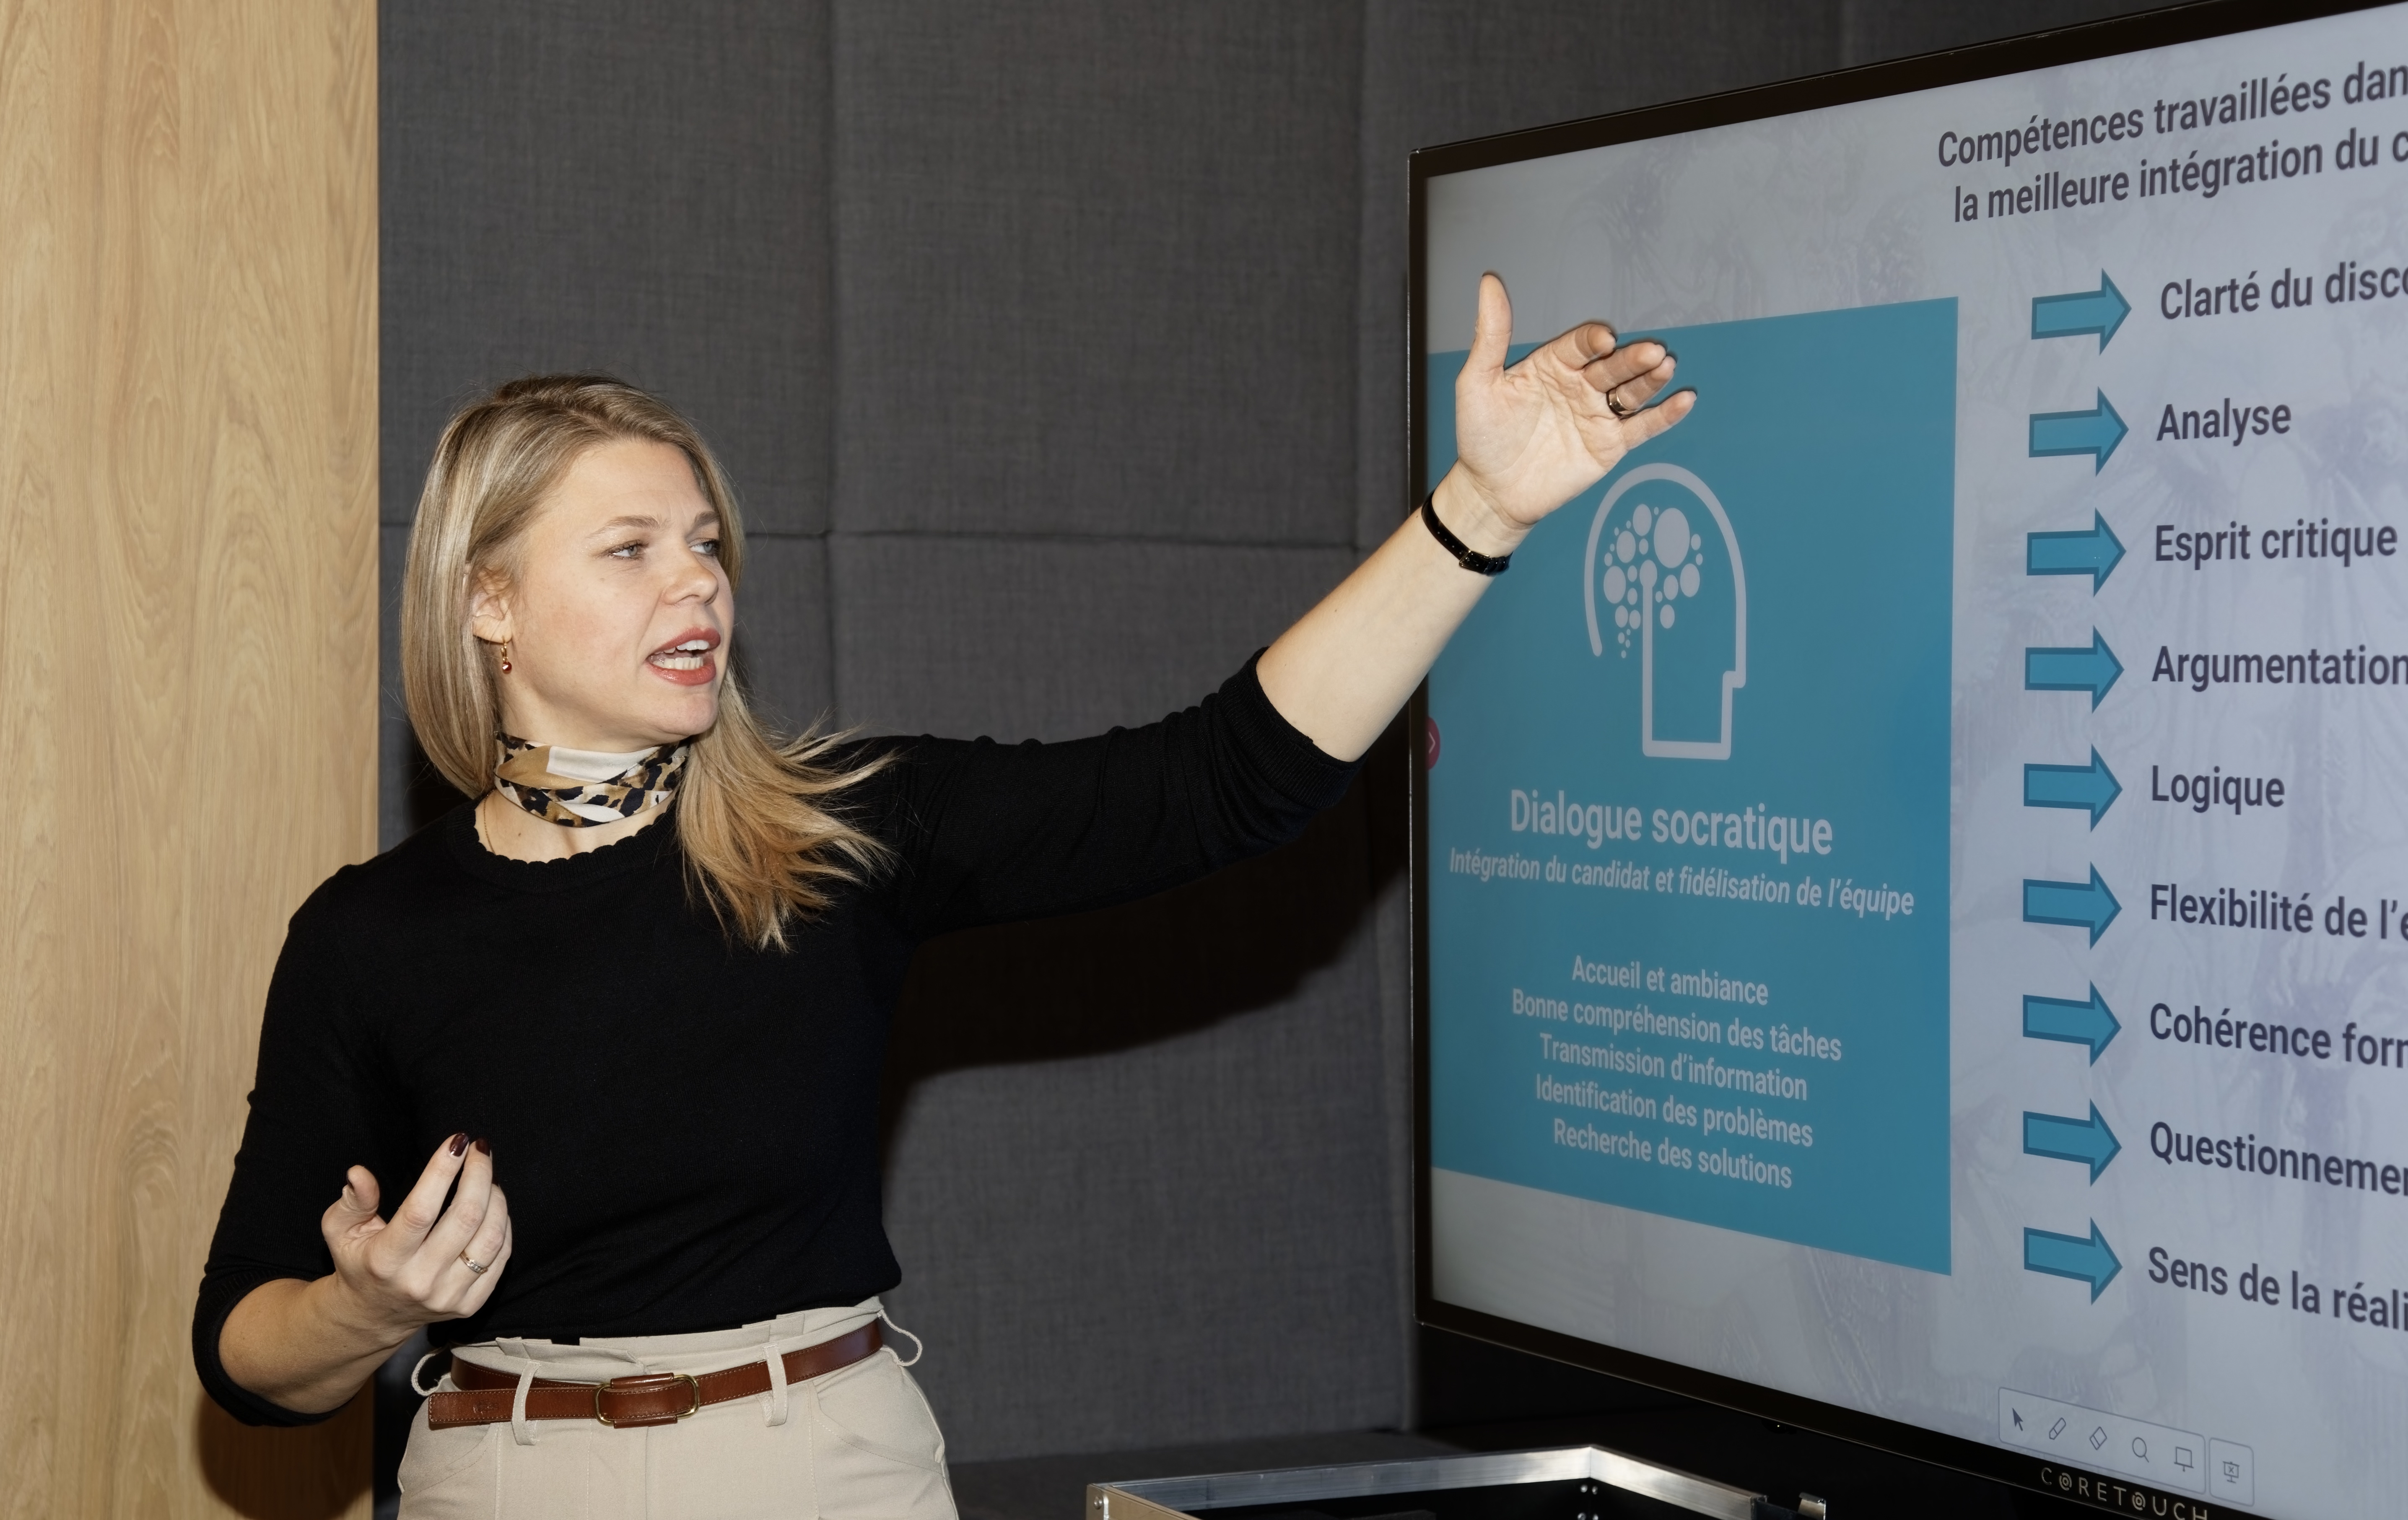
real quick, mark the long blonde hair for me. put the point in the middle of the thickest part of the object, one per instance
(760, 846)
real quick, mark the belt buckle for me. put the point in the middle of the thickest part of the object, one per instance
(647, 1382)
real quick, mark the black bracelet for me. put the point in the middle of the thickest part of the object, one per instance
(1469, 558)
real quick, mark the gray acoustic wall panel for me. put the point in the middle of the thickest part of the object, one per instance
(782, 630)
(1872, 30)
(407, 789)
(604, 184)
(1095, 267)
(1051, 638)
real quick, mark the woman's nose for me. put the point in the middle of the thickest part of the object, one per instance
(696, 578)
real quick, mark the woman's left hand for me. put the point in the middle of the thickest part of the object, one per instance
(1528, 439)
(1532, 436)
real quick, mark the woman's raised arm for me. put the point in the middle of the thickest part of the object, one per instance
(1528, 438)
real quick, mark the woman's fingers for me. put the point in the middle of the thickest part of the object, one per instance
(352, 1215)
(403, 1274)
(1656, 419)
(480, 1286)
(1584, 348)
(485, 1246)
(1492, 329)
(470, 1203)
(475, 1228)
(1628, 366)
(1637, 391)
(409, 1258)
(419, 1212)
(356, 1204)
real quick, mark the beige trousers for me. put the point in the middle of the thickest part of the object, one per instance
(856, 1443)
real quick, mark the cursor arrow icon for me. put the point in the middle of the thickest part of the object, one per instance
(2095, 433)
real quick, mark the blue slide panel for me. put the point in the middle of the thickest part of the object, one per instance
(1688, 882)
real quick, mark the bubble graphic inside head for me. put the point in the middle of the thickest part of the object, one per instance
(1667, 584)
(1655, 561)
(1671, 538)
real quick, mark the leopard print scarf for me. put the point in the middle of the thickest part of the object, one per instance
(582, 788)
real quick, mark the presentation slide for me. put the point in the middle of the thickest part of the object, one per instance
(1917, 858)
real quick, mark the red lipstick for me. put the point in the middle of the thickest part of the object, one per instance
(687, 659)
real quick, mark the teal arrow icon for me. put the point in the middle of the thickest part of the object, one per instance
(2092, 1261)
(2076, 669)
(2094, 552)
(2082, 905)
(2092, 788)
(2092, 1023)
(2086, 1141)
(2081, 312)
(2095, 433)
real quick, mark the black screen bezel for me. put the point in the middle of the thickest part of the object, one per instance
(2016, 55)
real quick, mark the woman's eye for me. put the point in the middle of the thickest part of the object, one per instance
(708, 546)
(628, 551)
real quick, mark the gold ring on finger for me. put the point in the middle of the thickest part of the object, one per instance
(475, 1267)
(1613, 403)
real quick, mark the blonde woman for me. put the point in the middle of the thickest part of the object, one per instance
(647, 973)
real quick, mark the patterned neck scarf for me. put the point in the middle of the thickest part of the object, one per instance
(582, 788)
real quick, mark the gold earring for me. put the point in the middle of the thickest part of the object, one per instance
(505, 656)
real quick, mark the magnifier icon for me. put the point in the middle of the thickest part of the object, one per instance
(2139, 1448)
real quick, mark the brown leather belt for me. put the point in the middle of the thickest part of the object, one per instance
(646, 1398)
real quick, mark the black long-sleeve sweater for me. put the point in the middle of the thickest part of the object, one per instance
(687, 1128)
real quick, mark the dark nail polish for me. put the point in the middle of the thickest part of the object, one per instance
(484, 1146)
(459, 1142)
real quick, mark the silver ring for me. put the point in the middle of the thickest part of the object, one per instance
(1613, 403)
(475, 1267)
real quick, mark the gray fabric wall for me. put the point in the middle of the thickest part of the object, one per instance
(1056, 352)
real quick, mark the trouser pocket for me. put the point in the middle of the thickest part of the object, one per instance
(446, 1473)
(876, 1449)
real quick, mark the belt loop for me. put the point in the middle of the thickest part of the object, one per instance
(521, 1429)
(774, 1412)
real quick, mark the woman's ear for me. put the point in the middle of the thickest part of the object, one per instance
(488, 607)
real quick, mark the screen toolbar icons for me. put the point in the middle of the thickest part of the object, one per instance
(2157, 1454)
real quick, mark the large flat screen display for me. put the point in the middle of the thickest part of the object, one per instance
(1911, 879)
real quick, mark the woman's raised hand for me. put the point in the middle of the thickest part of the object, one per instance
(414, 1270)
(1530, 438)
(1527, 439)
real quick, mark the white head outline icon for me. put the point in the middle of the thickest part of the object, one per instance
(1733, 678)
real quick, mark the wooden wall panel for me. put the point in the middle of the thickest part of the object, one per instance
(187, 688)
